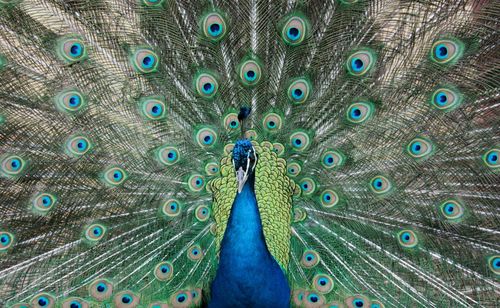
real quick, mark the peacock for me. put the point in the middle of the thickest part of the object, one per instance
(249, 153)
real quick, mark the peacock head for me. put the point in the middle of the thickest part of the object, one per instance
(244, 161)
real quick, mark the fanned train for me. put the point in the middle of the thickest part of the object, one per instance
(249, 153)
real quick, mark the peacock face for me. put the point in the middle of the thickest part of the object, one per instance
(244, 161)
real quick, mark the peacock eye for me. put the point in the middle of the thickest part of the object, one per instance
(357, 301)
(294, 30)
(452, 210)
(446, 51)
(308, 186)
(211, 168)
(101, 289)
(145, 61)
(43, 300)
(168, 155)
(72, 50)
(125, 299)
(70, 101)
(164, 271)
(446, 99)
(44, 202)
(182, 298)
(75, 302)
(214, 26)
(360, 112)
(329, 198)
(377, 304)
(6, 240)
(315, 299)
(419, 148)
(360, 63)
(491, 158)
(95, 232)
(323, 283)
(294, 169)
(272, 122)
(77, 146)
(310, 258)
(196, 183)
(171, 208)
(380, 185)
(494, 264)
(298, 91)
(407, 238)
(231, 121)
(13, 165)
(331, 159)
(279, 149)
(250, 72)
(206, 85)
(153, 108)
(206, 137)
(152, 3)
(115, 176)
(299, 141)
(202, 213)
(195, 253)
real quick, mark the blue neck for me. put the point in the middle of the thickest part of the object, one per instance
(247, 275)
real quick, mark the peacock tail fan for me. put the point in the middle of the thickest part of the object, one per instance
(375, 125)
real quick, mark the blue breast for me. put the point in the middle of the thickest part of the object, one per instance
(248, 275)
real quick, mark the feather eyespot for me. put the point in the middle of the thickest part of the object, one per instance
(206, 137)
(250, 72)
(101, 289)
(446, 99)
(279, 149)
(298, 90)
(182, 299)
(313, 299)
(95, 232)
(195, 253)
(196, 183)
(202, 213)
(77, 146)
(446, 51)
(126, 299)
(295, 30)
(494, 264)
(360, 112)
(452, 210)
(329, 198)
(491, 158)
(72, 50)
(75, 302)
(6, 240)
(70, 101)
(360, 62)
(43, 202)
(231, 121)
(153, 108)
(43, 300)
(168, 155)
(206, 85)
(357, 301)
(407, 238)
(115, 176)
(294, 169)
(171, 208)
(164, 271)
(377, 304)
(380, 185)
(272, 122)
(308, 186)
(145, 61)
(332, 159)
(310, 258)
(299, 141)
(419, 148)
(323, 283)
(214, 26)
(13, 165)
(212, 168)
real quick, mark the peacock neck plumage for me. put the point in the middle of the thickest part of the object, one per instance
(247, 275)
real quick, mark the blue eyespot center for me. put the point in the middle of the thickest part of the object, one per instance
(441, 51)
(164, 269)
(97, 231)
(117, 175)
(147, 61)
(215, 29)
(406, 237)
(441, 98)
(4, 239)
(297, 141)
(293, 33)
(449, 208)
(358, 303)
(101, 287)
(496, 263)
(75, 305)
(356, 113)
(233, 124)
(250, 75)
(208, 88)
(297, 93)
(357, 64)
(42, 301)
(126, 299)
(76, 50)
(492, 158)
(46, 200)
(74, 101)
(15, 164)
(181, 298)
(156, 110)
(322, 282)
(313, 298)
